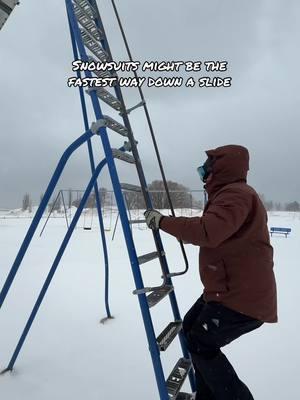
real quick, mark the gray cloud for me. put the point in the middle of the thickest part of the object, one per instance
(40, 115)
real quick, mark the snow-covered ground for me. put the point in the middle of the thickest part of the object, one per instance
(70, 355)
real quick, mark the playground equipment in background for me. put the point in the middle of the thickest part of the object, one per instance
(61, 205)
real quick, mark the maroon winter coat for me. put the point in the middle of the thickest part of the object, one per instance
(236, 258)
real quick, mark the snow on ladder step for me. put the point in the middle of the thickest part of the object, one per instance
(100, 73)
(177, 377)
(168, 335)
(92, 44)
(115, 126)
(86, 6)
(148, 257)
(92, 33)
(157, 295)
(121, 155)
(87, 22)
(107, 97)
(89, 27)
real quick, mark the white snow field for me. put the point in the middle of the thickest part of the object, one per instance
(68, 354)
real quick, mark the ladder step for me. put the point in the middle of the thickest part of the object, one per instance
(168, 335)
(107, 97)
(115, 126)
(137, 221)
(157, 295)
(121, 155)
(177, 377)
(86, 6)
(185, 396)
(148, 257)
(87, 22)
(92, 33)
(104, 74)
(130, 187)
(101, 74)
(92, 44)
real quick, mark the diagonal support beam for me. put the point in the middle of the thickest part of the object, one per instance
(31, 231)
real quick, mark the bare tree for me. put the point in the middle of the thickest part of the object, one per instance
(134, 200)
(55, 204)
(294, 206)
(180, 195)
(103, 196)
(26, 202)
(76, 202)
(278, 206)
(70, 195)
(90, 203)
(269, 205)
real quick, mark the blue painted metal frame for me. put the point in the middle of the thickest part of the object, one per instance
(48, 193)
(156, 234)
(55, 264)
(154, 351)
(96, 189)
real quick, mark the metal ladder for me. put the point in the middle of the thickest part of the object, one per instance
(88, 36)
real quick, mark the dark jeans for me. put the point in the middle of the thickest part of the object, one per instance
(207, 327)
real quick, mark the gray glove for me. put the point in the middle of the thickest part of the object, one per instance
(153, 218)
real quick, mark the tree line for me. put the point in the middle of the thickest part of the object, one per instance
(181, 197)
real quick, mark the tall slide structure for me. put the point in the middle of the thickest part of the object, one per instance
(90, 43)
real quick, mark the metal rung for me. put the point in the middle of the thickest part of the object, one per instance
(87, 21)
(130, 187)
(86, 6)
(89, 26)
(121, 155)
(94, 46)
(101, 74)
(185, 396)
(148, 257)
(157, 295)
(168, 335)
(105, 74)
(115, 126)
(177, 377)
(137, 221)
(108, 98)
(92, 33)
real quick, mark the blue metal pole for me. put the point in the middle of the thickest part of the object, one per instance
(55, 265)
(154, 351)
(39, 213)
(96, 189)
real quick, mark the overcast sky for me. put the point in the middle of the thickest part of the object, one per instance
(260, 40)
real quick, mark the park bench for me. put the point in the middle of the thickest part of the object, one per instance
(284, 231)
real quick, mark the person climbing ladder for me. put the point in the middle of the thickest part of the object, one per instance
(236, 269)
